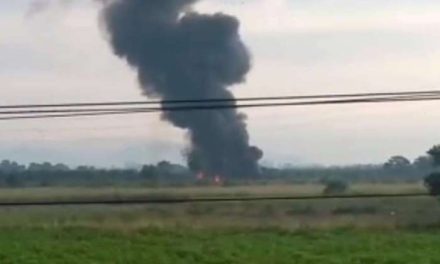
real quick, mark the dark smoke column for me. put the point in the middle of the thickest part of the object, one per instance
(181, 54)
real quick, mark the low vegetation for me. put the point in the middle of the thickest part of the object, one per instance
(80, 245)
(290, 215)
(432, 182)
(334, 187)
(317, 231)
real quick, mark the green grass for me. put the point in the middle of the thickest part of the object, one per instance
(60, 193)
(77, 245)
(289, 215)
(375, 231)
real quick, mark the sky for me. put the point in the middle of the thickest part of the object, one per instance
(55, 51)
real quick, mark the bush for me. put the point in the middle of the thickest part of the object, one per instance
(432, 182)
(335, 187)
(355, 210)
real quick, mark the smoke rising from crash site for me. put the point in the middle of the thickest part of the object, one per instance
(182, 54)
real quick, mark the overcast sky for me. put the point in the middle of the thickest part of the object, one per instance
(56, 51)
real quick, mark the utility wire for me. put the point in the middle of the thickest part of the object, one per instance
(217, 106)
(89, 114)
(139, 201)
(39, 114)
(221, 100)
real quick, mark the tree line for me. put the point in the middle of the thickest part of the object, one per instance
(395, 169)
(46, 174)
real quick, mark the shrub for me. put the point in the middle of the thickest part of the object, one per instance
(335, 187)
(355, 210)
(301, 210)
(432, 182)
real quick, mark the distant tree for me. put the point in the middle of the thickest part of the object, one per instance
(61, 167)
(423, 162)
(150, 174)
(13, 181)
(34, 167)
(11, 167)
(164, 163)
(335, 187)
(86, 168)
(434, 153)
(397, 162)
(432, 182)
(164, 171)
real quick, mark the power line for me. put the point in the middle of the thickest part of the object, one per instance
(90, 114)
(68, 113)
(218, 106)
(222, 100)
(139, 201)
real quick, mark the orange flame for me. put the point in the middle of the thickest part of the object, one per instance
(217, 180)
(200, 176)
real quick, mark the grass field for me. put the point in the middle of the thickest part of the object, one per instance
(292, 215)
(309, 231)
(297, 215)
(59, 193)
(76, 245)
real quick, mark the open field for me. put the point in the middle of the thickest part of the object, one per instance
(58, 193)
(308, 231)
(79, 245)
(291, 215)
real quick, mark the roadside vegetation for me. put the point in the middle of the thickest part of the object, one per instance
(82, 245)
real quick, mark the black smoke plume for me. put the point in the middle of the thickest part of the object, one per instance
(181, 54)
